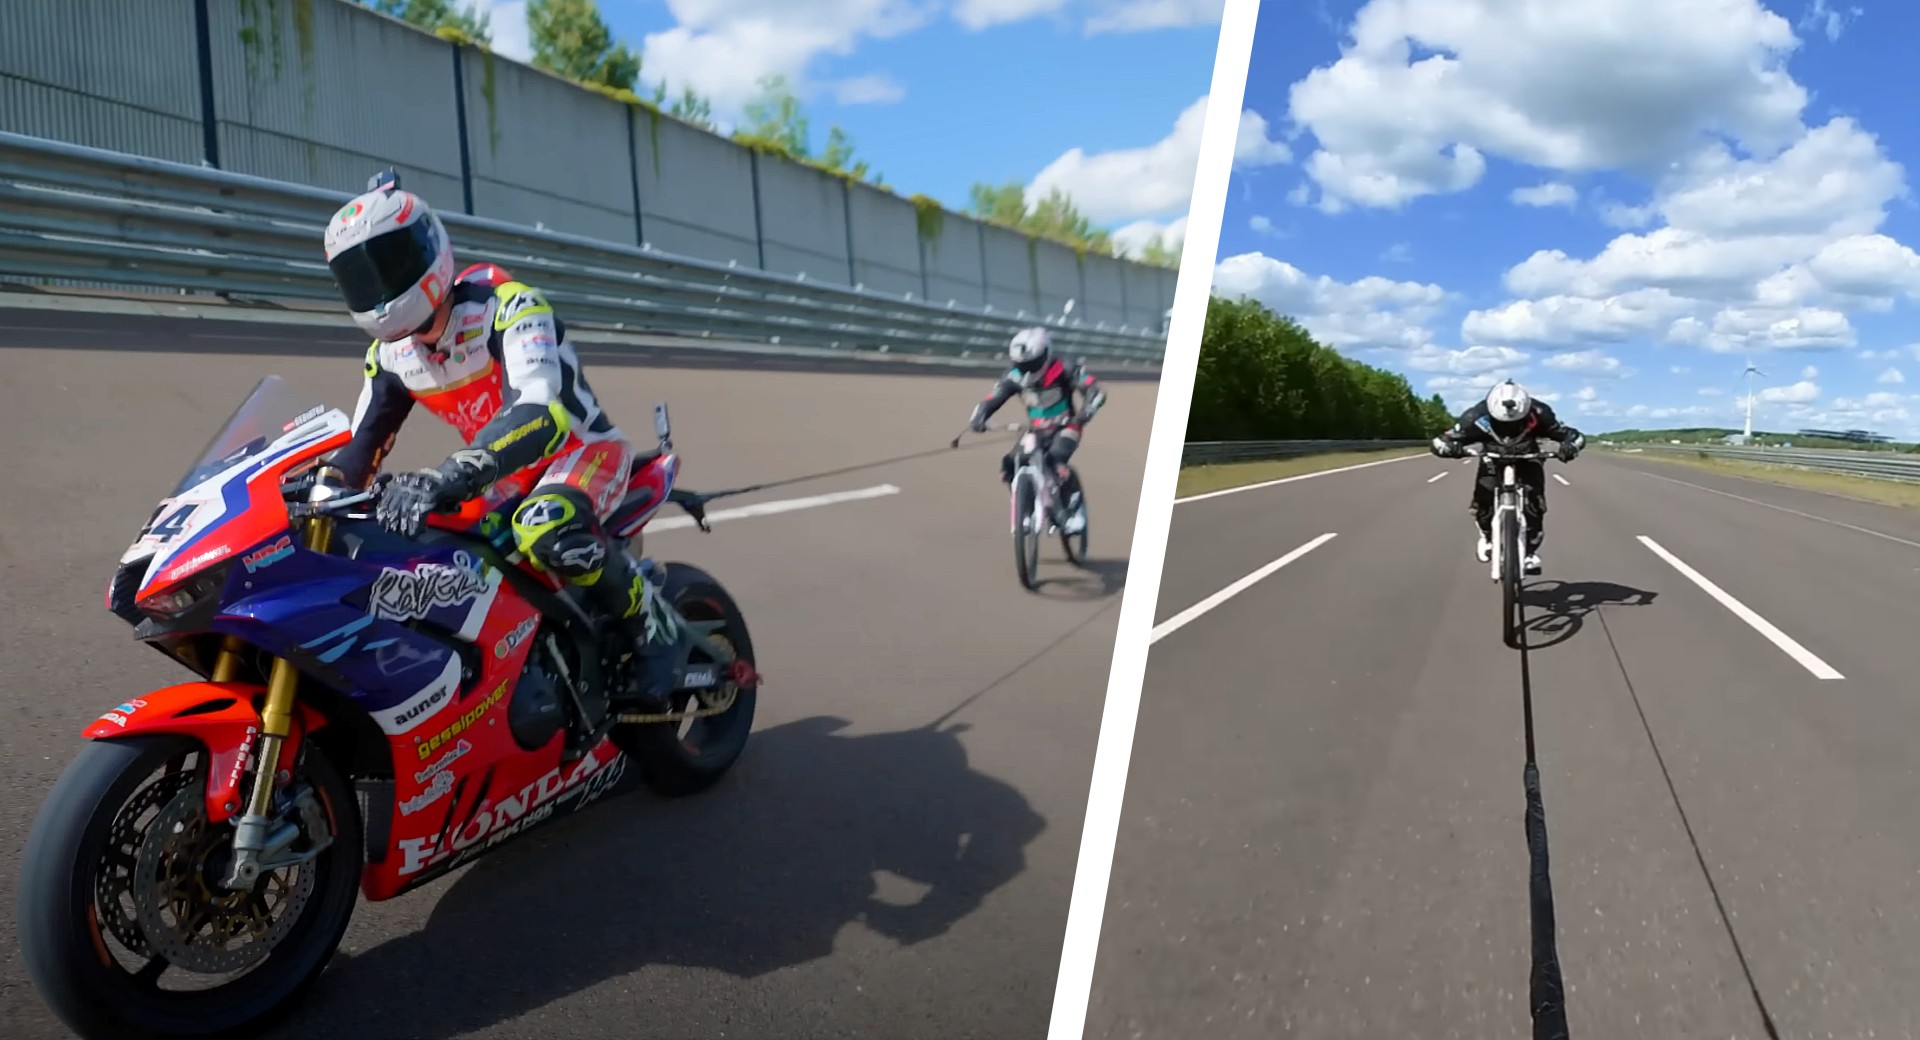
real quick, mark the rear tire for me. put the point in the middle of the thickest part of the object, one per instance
(63, 938)
(1076, 544)
(677, 764)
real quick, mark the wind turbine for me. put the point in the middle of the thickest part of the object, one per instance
(1748, 375)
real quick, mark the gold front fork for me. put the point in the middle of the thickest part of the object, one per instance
(253, 831)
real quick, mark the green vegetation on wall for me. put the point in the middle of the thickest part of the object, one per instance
(1263, 377)
(929, 218)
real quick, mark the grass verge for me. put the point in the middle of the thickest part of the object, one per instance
(1198, 480)
(1866, 489)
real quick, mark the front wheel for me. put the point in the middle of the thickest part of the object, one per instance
(682, 758)
(1512, 564)
(119, 902)
(1026, 529)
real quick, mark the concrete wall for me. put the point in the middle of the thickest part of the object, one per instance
(326, 93)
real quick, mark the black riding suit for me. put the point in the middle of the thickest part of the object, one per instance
(1476, 426)
(1048, 393)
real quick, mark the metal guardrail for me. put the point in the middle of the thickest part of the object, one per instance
(86, 214)
(1207, 453)
(1879, 465)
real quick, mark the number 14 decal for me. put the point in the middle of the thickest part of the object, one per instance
(173, 526)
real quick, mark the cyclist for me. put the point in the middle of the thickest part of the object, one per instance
(1047, 385)
(1510, 420)
(488, 356)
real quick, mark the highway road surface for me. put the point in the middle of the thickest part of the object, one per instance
(893, 857)
(1323, 832)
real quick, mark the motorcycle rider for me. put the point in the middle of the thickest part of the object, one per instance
(1047, 385)
(1510, 419)
(488, 356)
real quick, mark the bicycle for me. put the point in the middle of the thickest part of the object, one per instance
(1509, 534)
(1033, 494)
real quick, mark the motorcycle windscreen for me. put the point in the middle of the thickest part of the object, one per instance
(271, 411)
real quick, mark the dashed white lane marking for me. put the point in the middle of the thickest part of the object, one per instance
(1436, 476)
(1180, 620)
(1289, 480)
(1564, 482)
(787, 505)
(1805, 657)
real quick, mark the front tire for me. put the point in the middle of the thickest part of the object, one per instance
(677, 762)
(1026, 536)
(1512, 566)
(82, 842)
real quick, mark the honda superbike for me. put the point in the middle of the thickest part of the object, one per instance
(372, 712)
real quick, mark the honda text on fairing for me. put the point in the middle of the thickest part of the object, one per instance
(373, 711)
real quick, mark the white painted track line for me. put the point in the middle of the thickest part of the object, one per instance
(1563, 481)
(1783, 509)
(1436, 476)
(1289, 480)
(1180, 620)
(1805, 657)
(787, 505)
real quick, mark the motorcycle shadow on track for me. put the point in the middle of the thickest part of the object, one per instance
(1566, 605)
(1098, 579)
(760, 874)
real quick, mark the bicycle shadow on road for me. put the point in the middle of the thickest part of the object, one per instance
(761, 873)
(1567, 604)
(1097, 579)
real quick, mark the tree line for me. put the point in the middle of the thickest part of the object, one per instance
(1263, 377)
(570, 39)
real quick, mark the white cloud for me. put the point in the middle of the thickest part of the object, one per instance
(1133, 238)
(1552, 193)
(1823, 17)
(985, 14)
(1588, 393)
(1799, 393)
(1559, 320)
(1710, 391)
(1471, 361)
(1155, 180)
(1398, 253)
(722, 48)
(877, 88)
(1590, 363)
(1425, 88)
(1891, 376)
(1810, 372)
(1373, 312)
(1679, 370)
(1140, 15)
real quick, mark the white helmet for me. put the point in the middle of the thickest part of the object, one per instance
(1030, 348)
(1508, 402)
(390, 258)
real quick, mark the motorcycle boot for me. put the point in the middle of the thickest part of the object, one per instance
(629, 592)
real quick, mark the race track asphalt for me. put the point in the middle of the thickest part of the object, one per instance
(1323, 831)
(892, 857)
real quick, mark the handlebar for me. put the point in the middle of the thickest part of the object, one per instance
(1003, 427)
(694, 503)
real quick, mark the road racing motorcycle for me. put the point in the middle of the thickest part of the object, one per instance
(373, 711)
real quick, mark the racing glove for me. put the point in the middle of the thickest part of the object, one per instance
(1446, 450)
(1571, 448)
(411, 496)
(978, 423)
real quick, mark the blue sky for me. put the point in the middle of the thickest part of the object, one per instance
(1616, 202)
(1087, 95)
